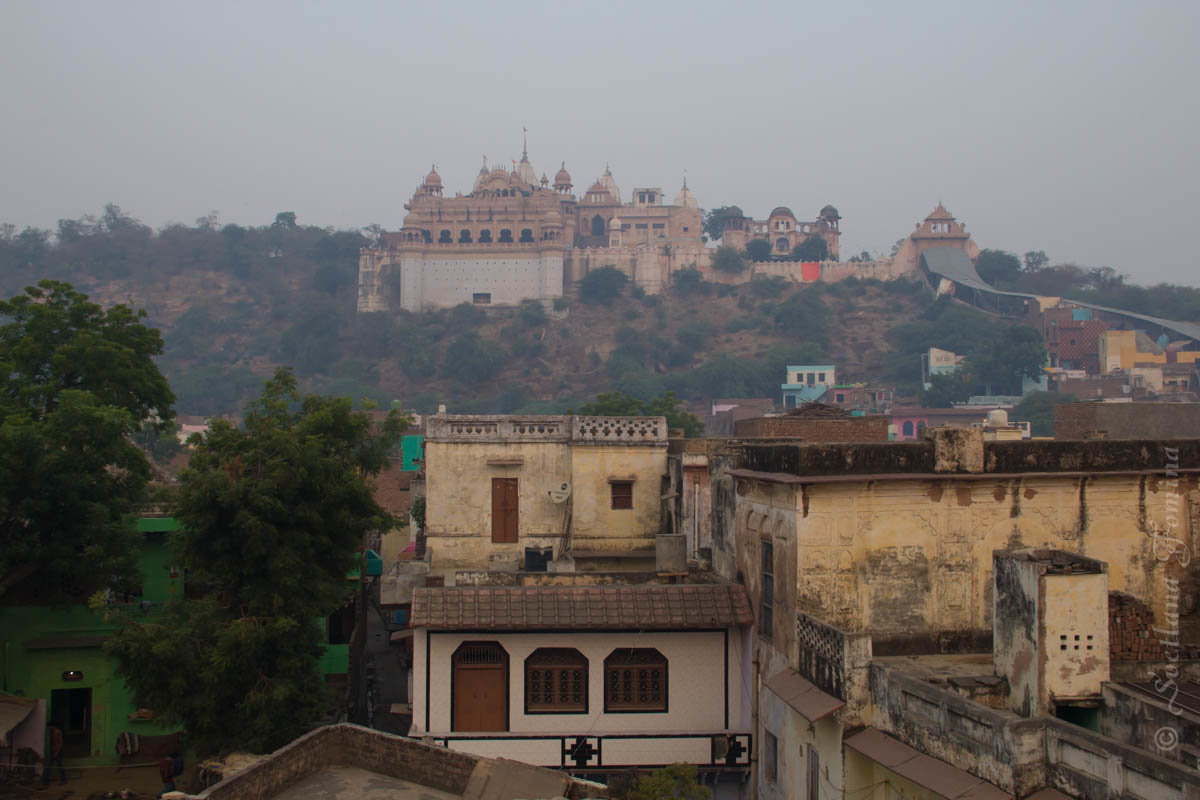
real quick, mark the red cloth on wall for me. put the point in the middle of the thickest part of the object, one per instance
(810, 270)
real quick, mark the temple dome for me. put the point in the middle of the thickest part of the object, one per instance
(614, 224)
(433, 179)
(734, 211)
(685, 198)
(611, 185)
(782, 211)
(562, 177)
(829, 212)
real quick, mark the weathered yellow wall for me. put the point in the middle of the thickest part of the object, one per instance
(459, 490)
(458, 515)
(1075, 606)
(596, 525)
(908, 557)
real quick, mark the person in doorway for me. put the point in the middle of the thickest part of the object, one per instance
(166, 771)
(54, 755)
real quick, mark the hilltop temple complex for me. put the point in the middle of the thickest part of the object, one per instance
(516, 236)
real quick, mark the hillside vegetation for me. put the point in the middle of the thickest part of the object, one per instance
(234, 302)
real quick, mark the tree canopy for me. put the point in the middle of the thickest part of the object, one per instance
(729, 259)
(758, 250)
(618, 404)
(602, 285)
(272, 514)
(1037, 408)
(78, 382)
(714, 222)
(814, 248)
(997, 267)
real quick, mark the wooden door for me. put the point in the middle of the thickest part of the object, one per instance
(480, 688)
(504, 510)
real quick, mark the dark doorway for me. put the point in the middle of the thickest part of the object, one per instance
(71, 710)
(597, 225)
(504, 510)
(479, 692)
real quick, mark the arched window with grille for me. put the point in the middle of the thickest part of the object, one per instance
(506, 236)
(556, 681)
(445, 238)
(526, 234)
(635, 680)
(485, 236)
(464, 236)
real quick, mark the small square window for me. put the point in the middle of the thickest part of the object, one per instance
(622, 494)
(482, 298)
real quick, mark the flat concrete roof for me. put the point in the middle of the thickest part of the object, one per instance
(353, 783)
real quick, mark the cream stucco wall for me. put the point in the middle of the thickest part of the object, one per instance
(700, 676)
(909, 557)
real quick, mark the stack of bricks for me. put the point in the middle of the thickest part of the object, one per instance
(1131, 634)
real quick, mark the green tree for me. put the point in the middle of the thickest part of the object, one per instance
(1012, 353)
(758, 250)
(472, 360)
(1036, 260)
(714, 222)
(947, 389)
(676, 782)
(1037, 408)
(618, 404)
(285, 220)
(997, 267)
(814, 248)
(78, 381)
(689, 280)
(272, 515)
(729, 259)
(603, 285)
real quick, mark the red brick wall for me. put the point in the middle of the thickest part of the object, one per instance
(815, 429)
(1131, 634)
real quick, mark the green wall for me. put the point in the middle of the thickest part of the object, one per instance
(38, 645)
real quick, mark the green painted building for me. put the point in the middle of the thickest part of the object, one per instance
(56, 655)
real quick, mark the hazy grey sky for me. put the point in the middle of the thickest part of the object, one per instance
(1064, 126)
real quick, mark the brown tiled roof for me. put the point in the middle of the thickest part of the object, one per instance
(652, 607)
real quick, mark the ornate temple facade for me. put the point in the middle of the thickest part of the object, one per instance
(782, 230)
(518, 237)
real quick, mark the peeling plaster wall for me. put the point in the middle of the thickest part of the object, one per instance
(995, 745)
(1015, 643)
(910, 560)
(1075, 607)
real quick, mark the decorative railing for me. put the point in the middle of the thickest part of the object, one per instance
(515, 429)
(718, 750)
(619, 429)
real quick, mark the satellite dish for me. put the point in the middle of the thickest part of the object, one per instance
(561, 494)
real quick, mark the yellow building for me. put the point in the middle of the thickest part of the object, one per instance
(870, 571)
(1124, 350)
(583, 487)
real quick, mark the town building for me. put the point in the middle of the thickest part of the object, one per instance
(807, 384)
(862, 398)
(1137, 421)
(898, 589)
(505, 491)
(55, 656)
(591, 679)
(516, 237)
(815, 422)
